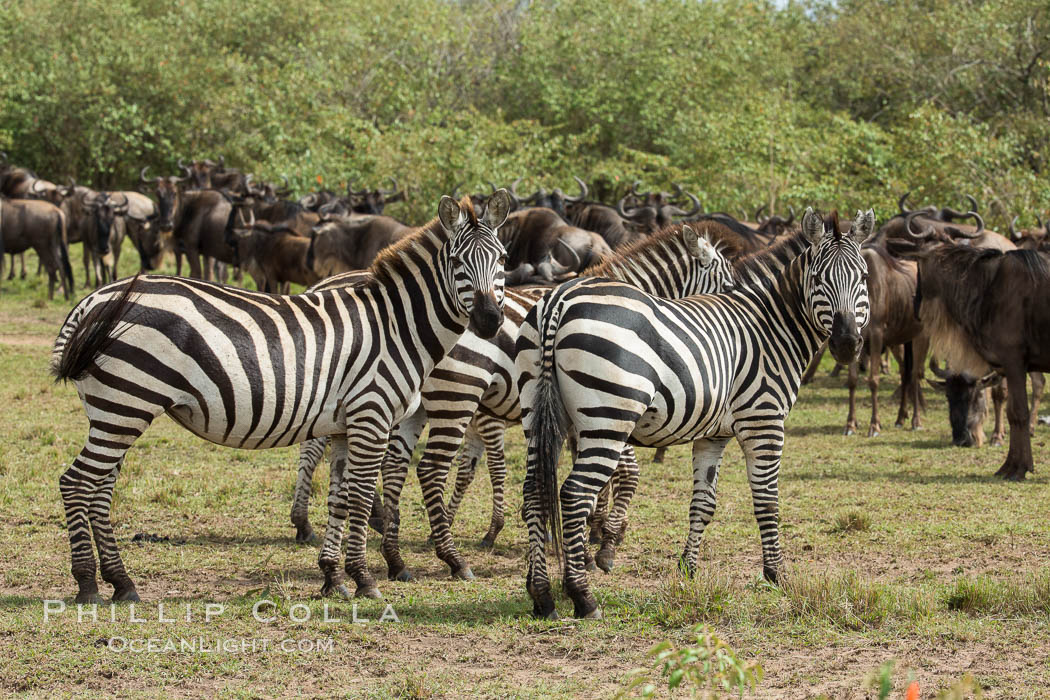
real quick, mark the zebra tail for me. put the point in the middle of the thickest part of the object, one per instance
(91, 336)
(548, 432)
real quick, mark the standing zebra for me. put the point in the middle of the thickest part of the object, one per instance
(253, 370)
(607, 365)
(480, 373)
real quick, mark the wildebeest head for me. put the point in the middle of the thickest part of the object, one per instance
(373, 201)
(837, 289)
(106, 209)
(475, 259)
(967, 404)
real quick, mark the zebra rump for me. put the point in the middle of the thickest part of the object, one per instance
(73, 355)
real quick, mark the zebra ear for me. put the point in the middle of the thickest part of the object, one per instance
(863, 225)
(699, 248)
(449, 213)
(497, 208)
(812, 225)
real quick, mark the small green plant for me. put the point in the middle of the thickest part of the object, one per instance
(852, 521)
(708, 670)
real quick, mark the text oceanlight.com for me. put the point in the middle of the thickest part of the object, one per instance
(218, 645)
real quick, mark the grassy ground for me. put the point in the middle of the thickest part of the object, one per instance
(900, 548)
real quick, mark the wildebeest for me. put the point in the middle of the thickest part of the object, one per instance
(274, 256)
(985, 309)
(891, 293)
(542, 248)
(373, 201)
(342, 244)
(209, 174)
(41, 226)
(968, 405)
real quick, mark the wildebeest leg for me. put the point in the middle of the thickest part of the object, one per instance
(919, 346)
(395, 466)
(87, 265)
(999, 397)
(310, 454)
(837, 369)
(814, 364)
(11, 271)
(874, 375)
(624, 484)
(1037, 393)
(1019, 457)
(707, 459)
(851, 383)
(659, 454)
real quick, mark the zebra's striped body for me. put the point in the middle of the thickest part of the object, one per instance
(608, 365)
(252, 370)
(481, 374)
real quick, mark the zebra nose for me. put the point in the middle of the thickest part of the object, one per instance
(845, 341)
(486, 316)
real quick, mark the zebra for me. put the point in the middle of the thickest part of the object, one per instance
(252, 370)
(478, 373)
(607, 365)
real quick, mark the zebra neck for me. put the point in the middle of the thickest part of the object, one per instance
(789, 312)
(664, 269)
(419, 308)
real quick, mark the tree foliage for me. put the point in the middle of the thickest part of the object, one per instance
(838, 103)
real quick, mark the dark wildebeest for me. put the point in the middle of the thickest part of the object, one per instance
(542, 248)
(968, 406)
(649, 212)
(342, 244)
(41, 226)
(81, 227)
(277, 212)
(158, 237)
(984, 309)
(373, 201)
(594, 216)
(274, 256)
(109, 211)
(891, 293)
(209, 174)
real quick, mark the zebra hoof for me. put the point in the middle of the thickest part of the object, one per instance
(589, 565)
(340, 591)
(88, 599)
(486, 543)
(463, 574)
(605, 560)
(126, 596)
(403, 576)
(368, 592)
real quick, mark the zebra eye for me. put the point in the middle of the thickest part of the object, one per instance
(502, 261)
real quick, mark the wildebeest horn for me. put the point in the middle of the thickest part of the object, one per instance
(124, 204)
(142, 175)
(636, 193)
(574, 254)
(513, 190)
(222, 161)
(758, 214)
(454, 195)
(620, 209)
(390, 192)
(937, 371)
(33, 189)
(909, 217)
(696, 207)
(492, 186)
(973, 202)
(583, 191)
(901, 201)
(1013, 228)
(181, 165)
(791, 218)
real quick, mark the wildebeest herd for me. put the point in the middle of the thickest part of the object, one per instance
(647, 322)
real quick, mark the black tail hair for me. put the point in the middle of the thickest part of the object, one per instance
(548, 433)
(92, 336)
(63, 258)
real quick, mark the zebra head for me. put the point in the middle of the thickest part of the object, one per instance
(474, 258)
(837, 285)
(716, 272)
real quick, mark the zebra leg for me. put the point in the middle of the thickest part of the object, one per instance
(328, 559)
(366, 445)
(310, 454)
(466, 466)
(624, 484)
(590, 472)
(87, 493)
(601, 512)
(492, 431)
(707, 459)
(395, 470)
(763, 443)
(442, 445)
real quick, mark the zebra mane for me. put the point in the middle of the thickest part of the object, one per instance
(392, 262)
(656, 247)
(763, 265)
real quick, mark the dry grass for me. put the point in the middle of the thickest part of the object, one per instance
(939, 566)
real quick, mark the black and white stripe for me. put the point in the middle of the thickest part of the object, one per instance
(252, 370)
(607, 365)
(480, 374)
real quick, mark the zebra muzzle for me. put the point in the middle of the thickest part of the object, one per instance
(486, 315)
